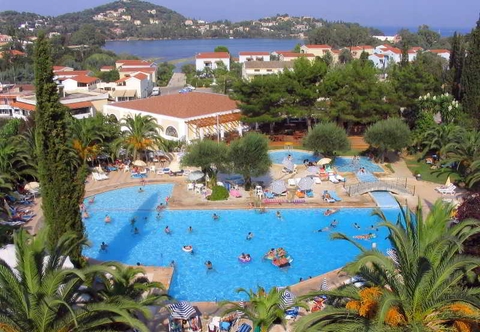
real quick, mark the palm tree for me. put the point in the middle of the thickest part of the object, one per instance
(419, 288)
(262, 308)
(132, 283)
(464, 151)
(87, 138)
(38, 295)
(439, 137)
(141, 133)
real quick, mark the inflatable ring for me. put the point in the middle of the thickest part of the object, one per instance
(187, 248)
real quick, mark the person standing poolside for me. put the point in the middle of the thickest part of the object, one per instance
(107, 219)
(167, 230)
(249, 236)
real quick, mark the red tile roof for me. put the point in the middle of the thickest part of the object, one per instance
(82, 104)
(59, 68)
(84, 79)
(318, 46)
(123, 79)
(253, 53)
(393, 50)
(141, 76)
(213, 55)
(182, 105)
(360, 47)
(440, 51)
(71, 73)
(416, 48)
(23, 106)
(297, 55)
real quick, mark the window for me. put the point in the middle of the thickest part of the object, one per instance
(269, 70)
(256, 70)
(171, 131)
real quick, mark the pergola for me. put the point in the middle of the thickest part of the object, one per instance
(215, 124)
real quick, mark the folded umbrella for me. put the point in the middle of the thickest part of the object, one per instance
(278, 187)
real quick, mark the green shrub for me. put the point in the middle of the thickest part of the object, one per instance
(219, 193)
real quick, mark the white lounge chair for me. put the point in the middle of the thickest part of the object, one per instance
(449, 190)
(99, 177)
(333, 179)
(292, 182)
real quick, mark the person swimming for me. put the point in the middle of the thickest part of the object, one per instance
(249, 236)
(215, 216)
(91, 200)
(209, 265)
(357, 226)
(140, 190)
(324, 229)
(190, 229)
(103, 246)
(334, 223)
(107, 219)
(85, 215)
(279, 215)
(136, 231)
(167, 230)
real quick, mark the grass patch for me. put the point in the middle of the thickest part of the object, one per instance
(427, 174)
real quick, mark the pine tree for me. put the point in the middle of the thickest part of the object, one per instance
(62, 177)
(457, 59)
(471, 78)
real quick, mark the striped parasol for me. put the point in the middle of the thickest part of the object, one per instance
(324, 286)
(278, 187)
(181, 310)
(287, 299)
(392, 253)
(305, 183)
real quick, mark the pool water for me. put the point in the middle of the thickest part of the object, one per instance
(298, 157)
(222, 241)
(347, 164)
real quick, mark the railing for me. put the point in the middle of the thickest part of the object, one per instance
(396, 185)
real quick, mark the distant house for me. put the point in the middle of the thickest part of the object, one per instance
(391, 54)
(128, 87)
(62, 68)
(379, 60)
(64, 74)
(357, 51)
(442, 52)
(292, 56)
(80, 83)
(212, 60)
(253, 56)
(250, 69)
(189, 116)
(318, 50)
(11, 53)
(132, 67)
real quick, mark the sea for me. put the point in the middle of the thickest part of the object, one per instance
(184, 51)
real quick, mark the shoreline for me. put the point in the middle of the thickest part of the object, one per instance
(128, 39)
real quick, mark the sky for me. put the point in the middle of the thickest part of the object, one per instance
(400, 13)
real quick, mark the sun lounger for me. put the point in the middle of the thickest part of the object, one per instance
(450, 190)
(235, 193)
(328, 200)
(273, 201)
(300, 194)
(269, 195)
(291, 182)
(333, 179)
(244, 328)
(99, 177)
(309, 194)
(334, 195)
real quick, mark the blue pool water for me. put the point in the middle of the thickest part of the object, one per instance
(347, 164)
(222, 241)
(298, 157)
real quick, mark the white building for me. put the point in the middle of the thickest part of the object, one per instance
(80, 83)
(188, 116)
(442, 53)
(212, 60)
(250, 69)
(253, 56)
(128, 87)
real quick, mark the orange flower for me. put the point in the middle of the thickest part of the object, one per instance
(461, 308)
(462, 326)
(353, 305)
(394, 317)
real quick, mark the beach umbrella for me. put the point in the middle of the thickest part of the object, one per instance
(305, 183)
(287, 299)
(313, 169)
(278, 187)
(195, 175)
(139, 163)
(181, 310)
(324, 286)
(324, 161)
(448, 182)
(288, 164)
(32, 186)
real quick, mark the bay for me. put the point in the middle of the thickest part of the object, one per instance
(169, 50)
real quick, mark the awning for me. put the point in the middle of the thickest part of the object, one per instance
(23, 106)
(226, 123)
(124, 93)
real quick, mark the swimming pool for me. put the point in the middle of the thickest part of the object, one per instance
(222, 241)
(343, 164)
(347, 164)
(298, 157)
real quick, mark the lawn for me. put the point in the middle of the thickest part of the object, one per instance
(427, 174)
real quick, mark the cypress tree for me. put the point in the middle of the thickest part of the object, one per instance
(62, 177)
(457, 58)
(471, 78)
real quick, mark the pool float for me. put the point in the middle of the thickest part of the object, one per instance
(281, 262)
(365, 236)
(244, 259)
(187, 248)
(330, 212)
(270, 255)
